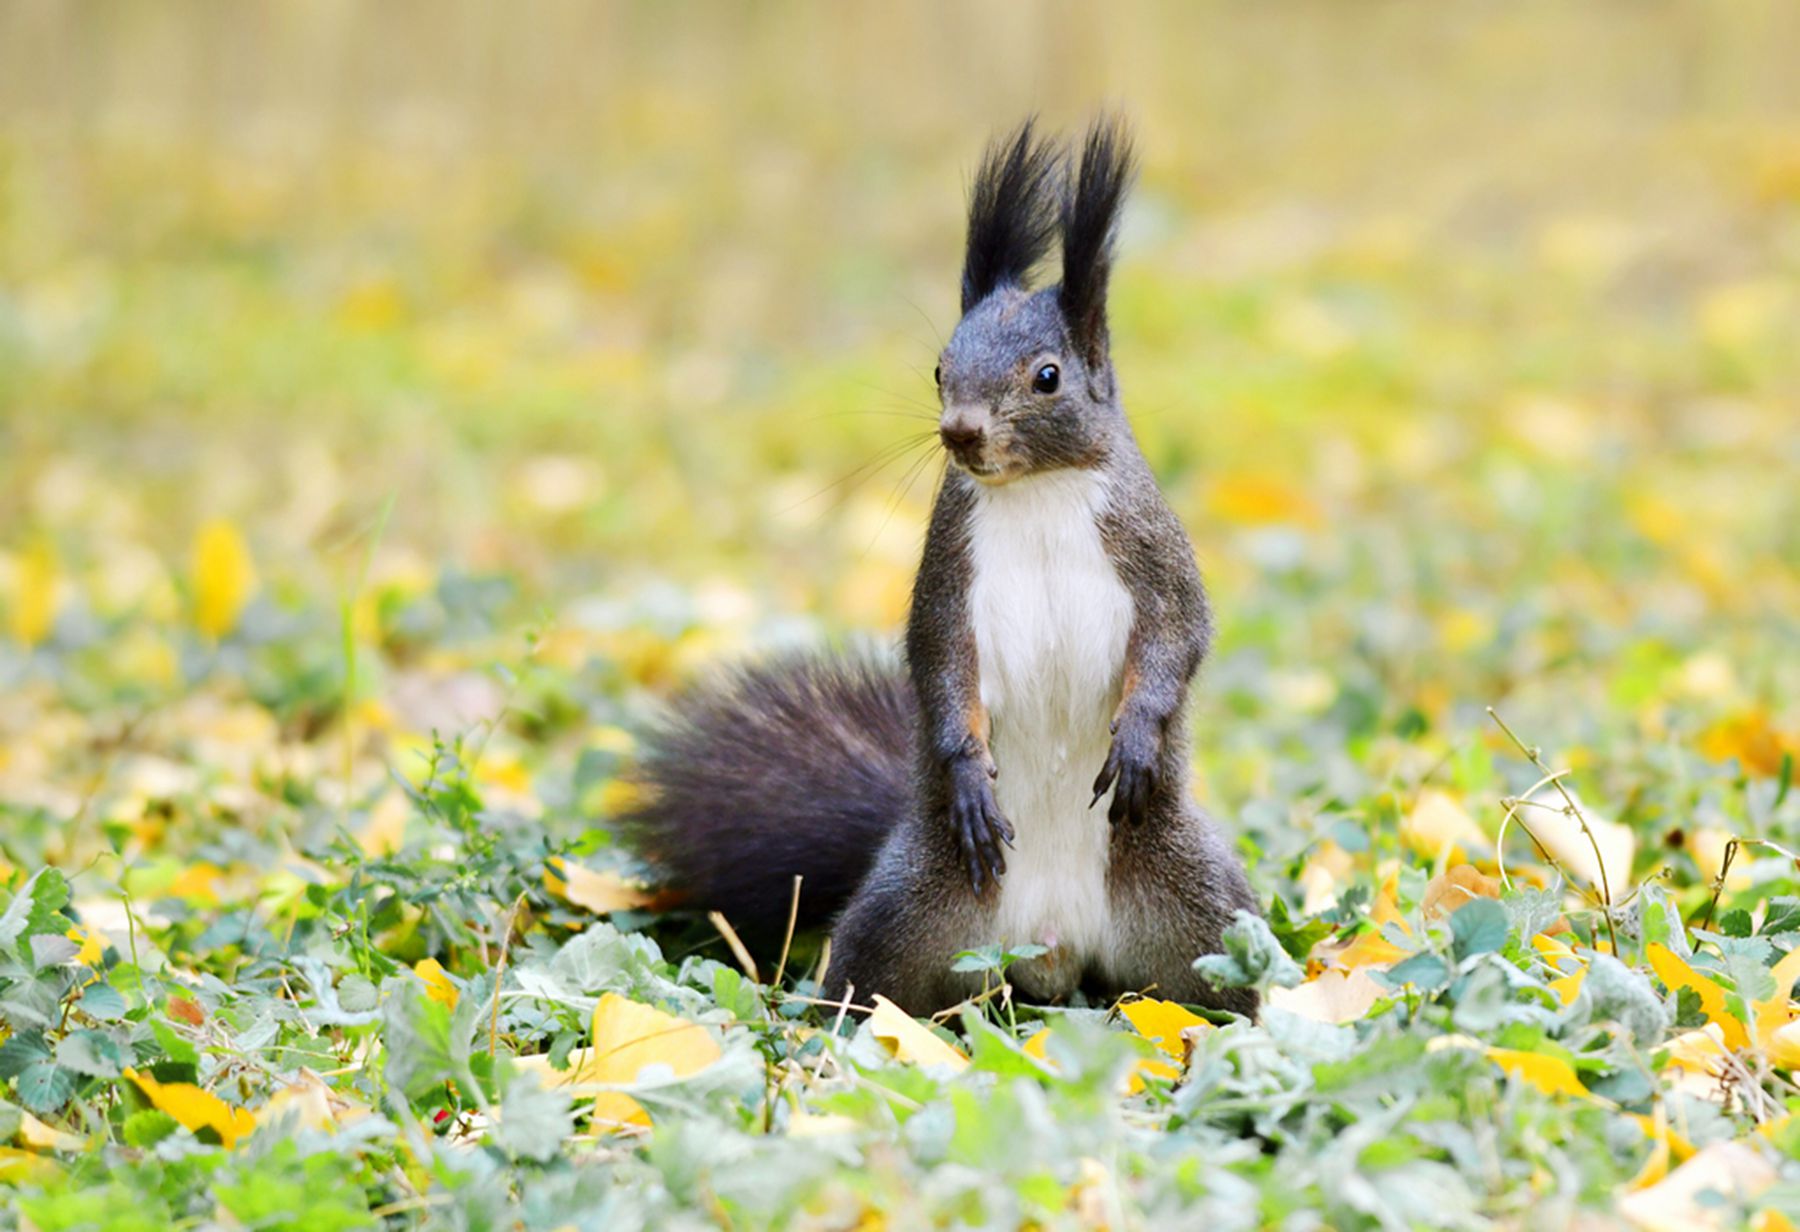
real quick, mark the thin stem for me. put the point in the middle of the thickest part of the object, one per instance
(1573, 810)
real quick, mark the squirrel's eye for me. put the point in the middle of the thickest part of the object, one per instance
(937, 376)
(1047, 379)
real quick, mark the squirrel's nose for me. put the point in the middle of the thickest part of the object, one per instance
(961, 431)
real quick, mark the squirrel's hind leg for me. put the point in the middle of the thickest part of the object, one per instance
(1172, 896)
(903, 928)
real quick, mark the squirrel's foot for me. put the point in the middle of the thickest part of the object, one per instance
(1130, 769)
(980, 829)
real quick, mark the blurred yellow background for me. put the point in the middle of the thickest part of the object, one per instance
(1463, 337)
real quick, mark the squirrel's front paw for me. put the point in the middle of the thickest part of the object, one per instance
(975, 817)
(1131, 768)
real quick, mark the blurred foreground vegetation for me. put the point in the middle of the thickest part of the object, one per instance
(394, 403)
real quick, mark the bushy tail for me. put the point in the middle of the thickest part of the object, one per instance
(798, 765)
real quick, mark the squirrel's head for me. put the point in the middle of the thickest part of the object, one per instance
(1026, 382)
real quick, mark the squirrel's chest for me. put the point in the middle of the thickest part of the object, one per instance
(1051, 618)
(1051, 622)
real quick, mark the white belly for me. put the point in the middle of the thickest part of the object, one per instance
(1051, 622)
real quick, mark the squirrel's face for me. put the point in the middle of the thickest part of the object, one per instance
(1017, 397)
(1026, 382)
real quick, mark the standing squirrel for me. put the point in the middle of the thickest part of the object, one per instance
(1025, 778)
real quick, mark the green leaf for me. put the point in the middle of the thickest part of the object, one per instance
(21, 1052)
(93, 1053)
(102, 1001)
(1252, 957)
(147, 1128)
(34, 911)
(534, 1122)
(1426, 972)
(416, 1032)
(45, 1086)
(1479, 926)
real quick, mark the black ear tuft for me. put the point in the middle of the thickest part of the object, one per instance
(1090, 220)
(1012, 213)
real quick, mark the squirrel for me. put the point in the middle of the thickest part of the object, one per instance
(1023, 779)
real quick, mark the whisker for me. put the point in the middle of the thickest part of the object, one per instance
(910, 477)
(884, 457)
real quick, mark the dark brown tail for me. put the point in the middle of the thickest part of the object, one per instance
(798, 765)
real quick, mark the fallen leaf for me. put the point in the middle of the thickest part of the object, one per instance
(1675, 1204)
(1562, 836)
(1439, 823)
(599, 892)
(184, 1010)
(1550, 1074)
(92, 942)
(1675, 973)
(437, 982)
(1455, 887)
(906, 1039)
(1337, 994)
(224, 578)
(628, 1038)
(41, 1137)
(196, 1109)
(34, 593)
(1371, 948)
(1752, 740)
(1164, 1024)
(1777, 1011)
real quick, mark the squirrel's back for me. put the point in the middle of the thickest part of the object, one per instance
(797, 765)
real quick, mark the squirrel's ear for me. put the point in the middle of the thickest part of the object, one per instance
(1012, 213)
(1090, 220)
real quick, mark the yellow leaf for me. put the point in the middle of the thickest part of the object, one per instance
(1699, 1052)
(629, 1037)
(1134, 1081)
(385, 831)
(1752, 741)
(41, 1137)
(907, 1039)
(195, 1109)
(1162, 1023)
(1456, 887)
(198, 882)
(1675, 973)
(1549, 1074)
(1656, 1166)
(1562, 836)
(224, 578)
(1680, 1202)
(1658, 1126)
(24, 1167)
(1337, 994)
(1550, 947)
(1568, 987)
(1438, 822)
(307, 1101)
(1256, 500)
(1777, 1011)
(437, 982)
(92, 942)
(1371, 948)
(599, 892)
(34, 595)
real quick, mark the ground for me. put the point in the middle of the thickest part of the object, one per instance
(376, 451)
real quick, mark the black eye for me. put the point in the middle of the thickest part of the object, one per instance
(937, 376)
(1047, 379)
